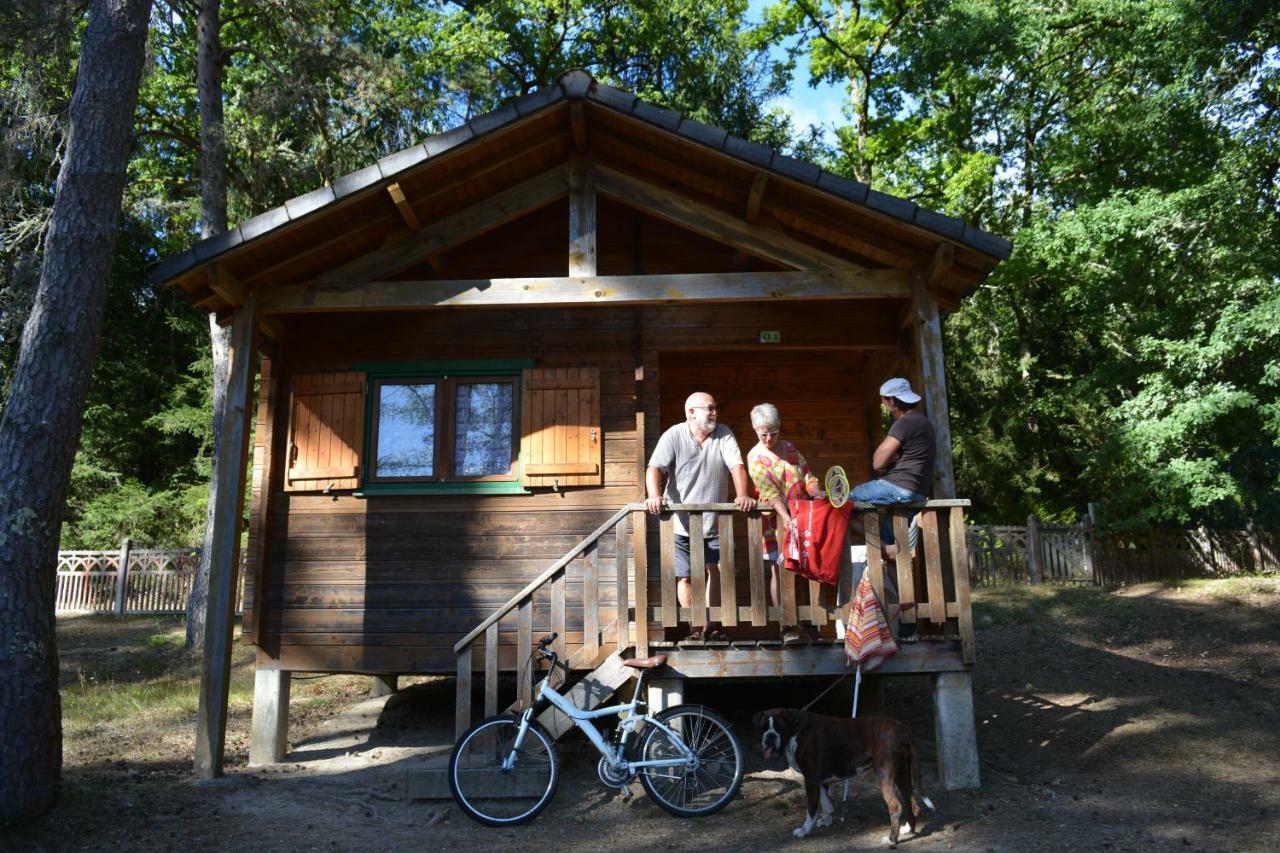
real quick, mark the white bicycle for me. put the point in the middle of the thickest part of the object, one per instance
(505, 769)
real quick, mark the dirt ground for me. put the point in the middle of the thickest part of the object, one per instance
(1138, 720)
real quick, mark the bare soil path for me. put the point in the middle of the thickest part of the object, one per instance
(1142, 720)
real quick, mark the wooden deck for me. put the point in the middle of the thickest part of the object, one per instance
(752, 659)
(925, 593)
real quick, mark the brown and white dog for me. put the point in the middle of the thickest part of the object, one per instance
(826, 749)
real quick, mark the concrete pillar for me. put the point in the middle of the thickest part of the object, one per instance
(384, 685)
(269, 737)
(665, 693)
(954, 730)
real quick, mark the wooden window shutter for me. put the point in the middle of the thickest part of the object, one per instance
(326, 432)
(560, 437)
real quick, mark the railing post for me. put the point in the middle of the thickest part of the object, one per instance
(697, 572)
(1035, 563)
(122, 576)
(524, 651)
(641, 563)
(728, 573)
(906, 573)
(875, 554)
(462, 709)
(755, 568)
(591, 601)
(622, 624)
(666, 562)
(491, 670)
(960, 566)
(937, 609)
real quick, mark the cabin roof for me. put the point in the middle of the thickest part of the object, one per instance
(838, 215)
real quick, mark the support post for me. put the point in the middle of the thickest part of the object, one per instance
(384, 685)
(122, 577)
(582, 220)
(1035, 562)
(928, 335)
(269, 737)
(954, 730)
(665, 693)
(215, 679)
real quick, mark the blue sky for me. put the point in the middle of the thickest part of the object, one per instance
(807, 105)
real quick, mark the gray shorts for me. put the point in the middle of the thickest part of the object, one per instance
(710, 554)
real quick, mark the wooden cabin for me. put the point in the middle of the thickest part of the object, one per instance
(465, 353)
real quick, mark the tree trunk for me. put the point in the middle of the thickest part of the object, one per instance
(213, 216)
(41, 426)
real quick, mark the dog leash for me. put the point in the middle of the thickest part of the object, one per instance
(831, 687)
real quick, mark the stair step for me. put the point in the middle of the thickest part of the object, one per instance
(589, 693)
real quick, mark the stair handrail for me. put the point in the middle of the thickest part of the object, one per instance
(576, 550)
(546, 575)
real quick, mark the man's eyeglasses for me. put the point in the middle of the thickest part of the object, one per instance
(708, 408)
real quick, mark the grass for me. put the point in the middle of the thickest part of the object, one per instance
(1081, 605)
(132, 678)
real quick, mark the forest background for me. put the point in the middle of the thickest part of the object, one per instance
(1128, 353)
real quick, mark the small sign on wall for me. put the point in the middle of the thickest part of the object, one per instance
(770, 336)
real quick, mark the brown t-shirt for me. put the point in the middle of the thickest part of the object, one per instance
(913, 467)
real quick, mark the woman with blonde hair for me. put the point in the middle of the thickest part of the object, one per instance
(780, 474)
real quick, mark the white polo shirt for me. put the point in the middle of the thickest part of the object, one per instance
(696, 473)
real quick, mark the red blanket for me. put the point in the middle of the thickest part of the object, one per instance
(816, 539)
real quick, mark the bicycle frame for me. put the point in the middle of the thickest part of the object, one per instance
(582, 719)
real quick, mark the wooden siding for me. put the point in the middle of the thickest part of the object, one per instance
(387, 583)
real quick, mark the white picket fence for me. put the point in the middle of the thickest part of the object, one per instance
(128, 581)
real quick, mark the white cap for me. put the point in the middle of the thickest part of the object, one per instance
(901, 389)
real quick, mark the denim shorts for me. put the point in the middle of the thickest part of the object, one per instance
(710, 554)
(884, 493)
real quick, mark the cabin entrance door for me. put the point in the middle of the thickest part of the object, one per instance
(817, 392)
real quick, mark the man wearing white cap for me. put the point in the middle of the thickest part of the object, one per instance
(904, 460)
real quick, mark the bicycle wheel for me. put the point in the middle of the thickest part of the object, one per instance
(497, 797)
(688, 790)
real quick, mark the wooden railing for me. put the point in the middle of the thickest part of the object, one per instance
(931, 582)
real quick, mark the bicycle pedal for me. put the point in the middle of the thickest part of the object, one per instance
(626, 793)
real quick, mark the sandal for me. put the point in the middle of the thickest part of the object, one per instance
(718, 636)
(790, 636)
(695, 636)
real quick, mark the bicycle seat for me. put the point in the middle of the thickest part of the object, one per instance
(646, 663)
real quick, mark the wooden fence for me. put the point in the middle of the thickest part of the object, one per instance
(1034, 553)
(128, 581)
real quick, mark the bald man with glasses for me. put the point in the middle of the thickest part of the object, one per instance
(693, 464)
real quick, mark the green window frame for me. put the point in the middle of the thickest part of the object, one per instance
(447, 377)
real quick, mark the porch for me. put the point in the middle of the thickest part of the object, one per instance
(635, 612)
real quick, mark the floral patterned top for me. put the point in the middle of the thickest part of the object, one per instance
(779, 473)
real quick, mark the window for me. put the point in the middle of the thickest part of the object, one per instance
(460, 427)
(444, 429)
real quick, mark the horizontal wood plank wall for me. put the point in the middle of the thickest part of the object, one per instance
(388, 583)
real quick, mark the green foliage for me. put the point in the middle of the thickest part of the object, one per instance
(1126, 353)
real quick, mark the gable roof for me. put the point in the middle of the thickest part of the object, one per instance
(580, 87)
